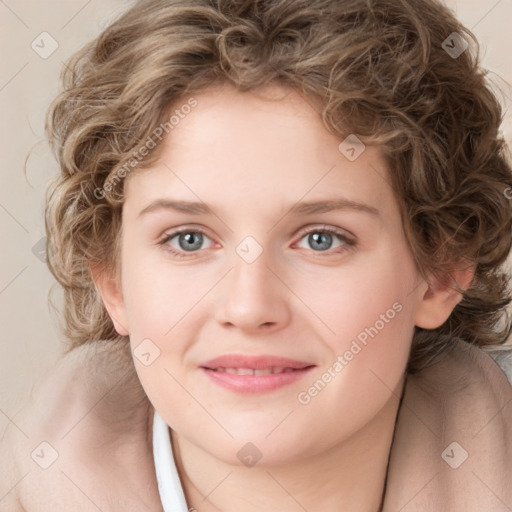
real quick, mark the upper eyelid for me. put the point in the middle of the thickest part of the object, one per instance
(307, 229)
(184, 229)
(325, 227)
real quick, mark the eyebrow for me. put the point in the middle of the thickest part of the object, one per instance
(328, 205)
(300, 208)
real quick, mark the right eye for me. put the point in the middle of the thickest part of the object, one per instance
(183, 241)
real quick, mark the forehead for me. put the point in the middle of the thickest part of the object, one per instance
(261, 150)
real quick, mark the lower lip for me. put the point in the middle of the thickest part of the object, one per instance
(255, 383)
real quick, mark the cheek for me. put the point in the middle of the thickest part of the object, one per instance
(370, 299)
(368, 323)
(158, 293)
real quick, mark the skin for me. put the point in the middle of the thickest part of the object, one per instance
(250, 159)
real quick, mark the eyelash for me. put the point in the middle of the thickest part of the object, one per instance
(349, 243)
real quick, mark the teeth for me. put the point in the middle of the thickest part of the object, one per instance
(244, 371)
(250, 371)
(264, 371)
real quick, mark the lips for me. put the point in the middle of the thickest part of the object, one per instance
(254, 374)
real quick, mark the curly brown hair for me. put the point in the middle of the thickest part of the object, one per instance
(380, 69)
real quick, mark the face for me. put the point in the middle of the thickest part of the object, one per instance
(292, 249)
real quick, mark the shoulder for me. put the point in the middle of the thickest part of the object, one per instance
(502, 355)
(85, 419)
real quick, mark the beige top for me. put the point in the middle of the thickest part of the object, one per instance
(451, 450)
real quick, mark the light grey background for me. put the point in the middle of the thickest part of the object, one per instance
(30, 339)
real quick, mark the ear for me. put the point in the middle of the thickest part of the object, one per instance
(111, 294)
(441, 297)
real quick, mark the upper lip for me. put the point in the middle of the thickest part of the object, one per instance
(253, 362)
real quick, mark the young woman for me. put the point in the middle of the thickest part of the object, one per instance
(280, 229)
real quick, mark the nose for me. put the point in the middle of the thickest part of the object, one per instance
(254, 298)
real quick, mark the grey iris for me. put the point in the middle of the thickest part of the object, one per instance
(189, 237)
(323, 239)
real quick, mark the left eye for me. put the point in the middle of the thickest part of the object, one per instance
(321, 240)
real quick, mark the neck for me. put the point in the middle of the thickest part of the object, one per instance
(351, 474)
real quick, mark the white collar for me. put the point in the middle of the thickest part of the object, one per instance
(169, 485)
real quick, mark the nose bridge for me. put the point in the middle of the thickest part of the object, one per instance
(253, 296)
(253, 276)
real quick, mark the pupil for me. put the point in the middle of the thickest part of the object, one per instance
(320, 238)
(189, 237)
